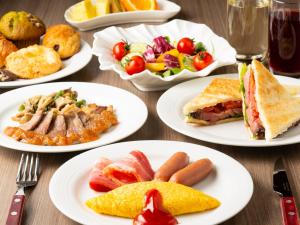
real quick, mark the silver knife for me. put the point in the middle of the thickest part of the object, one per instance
(287, 201)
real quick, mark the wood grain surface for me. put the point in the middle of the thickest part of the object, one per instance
(263, 208)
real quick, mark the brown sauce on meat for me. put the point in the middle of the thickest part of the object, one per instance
(99, 124)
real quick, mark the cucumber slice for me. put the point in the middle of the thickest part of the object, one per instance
(138, 47)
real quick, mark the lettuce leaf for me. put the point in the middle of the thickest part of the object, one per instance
(242, 71)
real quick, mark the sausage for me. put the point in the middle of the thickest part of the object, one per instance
(193, 173)
(177, 161)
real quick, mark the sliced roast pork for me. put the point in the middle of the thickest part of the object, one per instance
(31, 124)
(44, 125)
(59, 126)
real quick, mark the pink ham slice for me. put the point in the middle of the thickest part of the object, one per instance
(133, 168)
(98, 181)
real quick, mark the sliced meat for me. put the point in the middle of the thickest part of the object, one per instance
(128, 170)
(254, 122)
(143, 160)
(74, 124)
(98, 181)
(220, 111)
(83, 117)
(59, 127)
(31, 124)
(44, 125)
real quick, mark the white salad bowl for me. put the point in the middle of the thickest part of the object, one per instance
(223, 54)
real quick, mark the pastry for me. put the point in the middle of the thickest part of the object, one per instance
(22, 28)
(33, 62)
(6, 47)
(63, 39)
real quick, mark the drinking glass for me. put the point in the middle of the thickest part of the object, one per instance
(248, 27)
(284, 37)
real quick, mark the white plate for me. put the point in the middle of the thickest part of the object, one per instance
(169, 109)
(104, 41)
(231, 183)
(130, 118)
(70, 66)
(167, 10)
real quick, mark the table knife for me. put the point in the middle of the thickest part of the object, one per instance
(287, 201)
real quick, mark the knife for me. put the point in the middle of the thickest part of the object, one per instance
(282, 187)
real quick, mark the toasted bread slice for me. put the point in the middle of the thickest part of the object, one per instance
(278, 109)
(220, 90)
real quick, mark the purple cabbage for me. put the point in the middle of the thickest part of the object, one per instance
(171, 61)
(161, 45)
(149, 55)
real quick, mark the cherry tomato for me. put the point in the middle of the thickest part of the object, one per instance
(186, 45)
(120, 49)
(135, 65)
(202, 60)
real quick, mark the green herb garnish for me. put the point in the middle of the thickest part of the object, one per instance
(199, 47)
(59, 94)
(167, 38)
(80, 103)
(21, 108)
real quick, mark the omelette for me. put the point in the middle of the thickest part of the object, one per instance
(128, 200)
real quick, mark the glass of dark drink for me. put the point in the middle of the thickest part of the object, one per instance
(284, 37)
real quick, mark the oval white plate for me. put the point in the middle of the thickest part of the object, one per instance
(167, 10)
(130, 118)
(169, 109)
(104, 40)
(231, 183)
(70, 66)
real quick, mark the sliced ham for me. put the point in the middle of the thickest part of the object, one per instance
(220, 111)
(254, 122)
(98, 181)
(133, 168)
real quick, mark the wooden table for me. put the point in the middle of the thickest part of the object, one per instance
(263, 208)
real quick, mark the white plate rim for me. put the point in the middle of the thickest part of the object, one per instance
(76, 147)
(53, 181)
(143, 16)
(85, 50)
(207, 138)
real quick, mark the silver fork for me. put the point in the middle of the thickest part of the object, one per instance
(27, 176)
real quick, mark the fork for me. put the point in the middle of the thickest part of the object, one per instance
(27, 176)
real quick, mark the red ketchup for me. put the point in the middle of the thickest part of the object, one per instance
(153, 212)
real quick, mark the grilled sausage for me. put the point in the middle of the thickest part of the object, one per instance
(193, 173)
(177, 161)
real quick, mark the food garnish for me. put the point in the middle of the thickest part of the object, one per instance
(162, 58)
(127, 201)
(60, 119)
(153, 212)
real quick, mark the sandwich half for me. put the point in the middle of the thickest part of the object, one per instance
(219, 102)
(268, 108)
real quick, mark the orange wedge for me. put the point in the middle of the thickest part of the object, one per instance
(133, 5)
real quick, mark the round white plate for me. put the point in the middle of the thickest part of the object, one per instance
(130, 118)
(70, 66)
(231, 183)
(169, 108)
(167, 10)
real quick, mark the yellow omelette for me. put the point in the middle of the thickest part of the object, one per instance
(128, 200)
